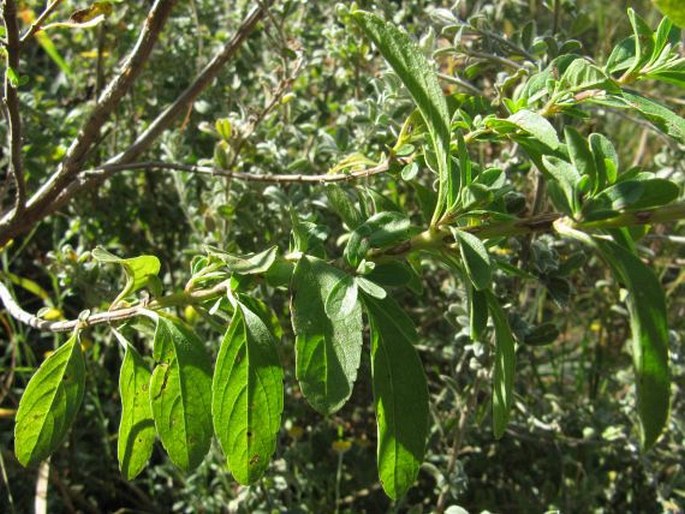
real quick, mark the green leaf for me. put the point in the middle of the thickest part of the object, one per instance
(661, 117)
(674, 9)
(371, 288)
(478, 313)
(606, 160)
(647, 308)
(253, 264)
(418, 76)
(581, 75)
(247, 400)
(536, 126)
(566, 176)
(50, 403)
(343, 206)
(136, 428)
(180, 394)
(342, 299)
(328, 350)
(505, 367)
(400, 396)
(380, 230)
(644, 41)
(581, 156)
(635, 194)
(138, 270)
(476, 259)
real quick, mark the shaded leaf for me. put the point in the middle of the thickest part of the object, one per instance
(505, 367)
(328, 350)
(248, 264)
(476, 259)
(400, 396)
(647, 308)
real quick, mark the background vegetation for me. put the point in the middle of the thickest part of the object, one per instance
(304, 93)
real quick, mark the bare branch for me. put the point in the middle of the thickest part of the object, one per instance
(42, 202)
(109, 169)
(185, 298)
(65, 183)
(203, 80)
(11, 106)
(38, 23)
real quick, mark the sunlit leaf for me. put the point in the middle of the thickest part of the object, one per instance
(180, 394)
(247, 395)
(50, 403)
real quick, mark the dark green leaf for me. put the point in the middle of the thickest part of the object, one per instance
(476, 259)
(400, 396)
(180, 394)
(647, 308)
(247, 400)
(581, 156)
(380, 230)
(342, 299)
(505, 367)
(478, 313)
(50, 403)
(328, 351)
(606, 160)
(418, 76)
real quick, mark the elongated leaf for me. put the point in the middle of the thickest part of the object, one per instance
(420, 79)
(248, 264)
(136, 428)
(661, 117)
(505, 367)
(180, 394)
(647, 308)
(342, 299)
(247, 395)
(400, 396)
(476, 259)
(328, 349)
(581, 156)
(50, 403)
(478, 313)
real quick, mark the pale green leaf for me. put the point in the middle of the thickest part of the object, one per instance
(328, 350)
(50, 403)
(138, 270)
(136, 428)
(536, 127)
(342, 299)
(248, 264)
(247, 395)
(674, 9)
(180, 394)
(400, 396)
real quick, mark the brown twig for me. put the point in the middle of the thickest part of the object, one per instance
(38, 23)
(65, 183)
(109, 169)
(11, 106)
(43, 202)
